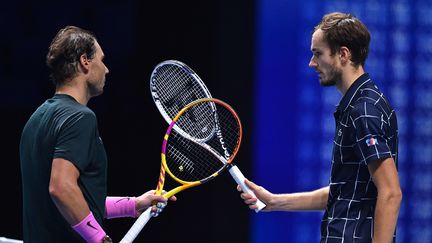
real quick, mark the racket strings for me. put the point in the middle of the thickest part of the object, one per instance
(217, 126)
(198, 121)
(225, 141)
(188, 156)
(176, 87)
(189, 161)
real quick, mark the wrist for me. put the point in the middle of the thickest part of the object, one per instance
(89, 229)
(271, 202)
(119, 207)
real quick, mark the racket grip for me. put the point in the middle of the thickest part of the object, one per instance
(239, 178)
(137, 227)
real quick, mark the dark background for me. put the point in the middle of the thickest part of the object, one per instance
(215, 38)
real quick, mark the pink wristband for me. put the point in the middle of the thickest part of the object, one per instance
(90, 230)
(118, 207)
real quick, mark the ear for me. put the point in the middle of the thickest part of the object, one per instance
(84, 63)
(344, 54)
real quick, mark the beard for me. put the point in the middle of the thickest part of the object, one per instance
(330, 79)
(95, 88)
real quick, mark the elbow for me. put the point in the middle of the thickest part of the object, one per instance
(394, 197)
(59, 189)
(398, 196)
(55, 190)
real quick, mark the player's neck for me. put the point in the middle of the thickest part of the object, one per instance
(76, 89)
(349, 77)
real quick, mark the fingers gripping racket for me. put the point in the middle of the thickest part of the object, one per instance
(173, 85)
(207, 144)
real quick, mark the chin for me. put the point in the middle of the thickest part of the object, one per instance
(100, 92)
(96, 89)
(96, 92)
(327, 82)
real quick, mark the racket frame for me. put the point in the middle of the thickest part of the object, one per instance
(187, 184)
(154, 92)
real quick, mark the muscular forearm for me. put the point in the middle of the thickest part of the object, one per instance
(66, 193)
(386, 214)
(314, 200)
(70, 202)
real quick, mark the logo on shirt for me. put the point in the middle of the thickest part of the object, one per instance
(371, 141)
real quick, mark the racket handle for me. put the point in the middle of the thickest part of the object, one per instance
(239, 178)
(137, 227)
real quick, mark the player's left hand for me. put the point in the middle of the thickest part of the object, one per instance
(149, 198)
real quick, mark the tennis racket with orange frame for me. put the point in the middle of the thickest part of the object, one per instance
(209, 139)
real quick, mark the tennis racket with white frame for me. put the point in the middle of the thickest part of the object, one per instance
(173, 85)
(205, 146)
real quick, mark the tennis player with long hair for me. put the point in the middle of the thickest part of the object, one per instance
(63, 159)
(363, 198)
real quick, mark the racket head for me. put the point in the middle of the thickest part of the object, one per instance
(187, 157)
(173, 85)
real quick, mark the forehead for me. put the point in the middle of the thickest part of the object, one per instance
(318, 42)
(98, 49)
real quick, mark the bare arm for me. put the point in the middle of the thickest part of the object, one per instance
(65, 192)
(301, 201)
(389, 198)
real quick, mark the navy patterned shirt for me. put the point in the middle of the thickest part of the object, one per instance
(366, 131)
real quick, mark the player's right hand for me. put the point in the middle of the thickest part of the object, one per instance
(259, 191)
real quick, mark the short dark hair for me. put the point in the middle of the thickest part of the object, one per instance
(341, 29)
(65, 51)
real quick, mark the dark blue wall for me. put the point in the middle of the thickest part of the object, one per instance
(294, 116)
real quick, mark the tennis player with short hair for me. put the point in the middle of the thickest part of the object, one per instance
(63, 159)
(363, 198)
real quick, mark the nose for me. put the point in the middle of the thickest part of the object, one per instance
(312, 63)
(106, 70)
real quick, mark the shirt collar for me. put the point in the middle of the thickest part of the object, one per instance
(352, 91)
